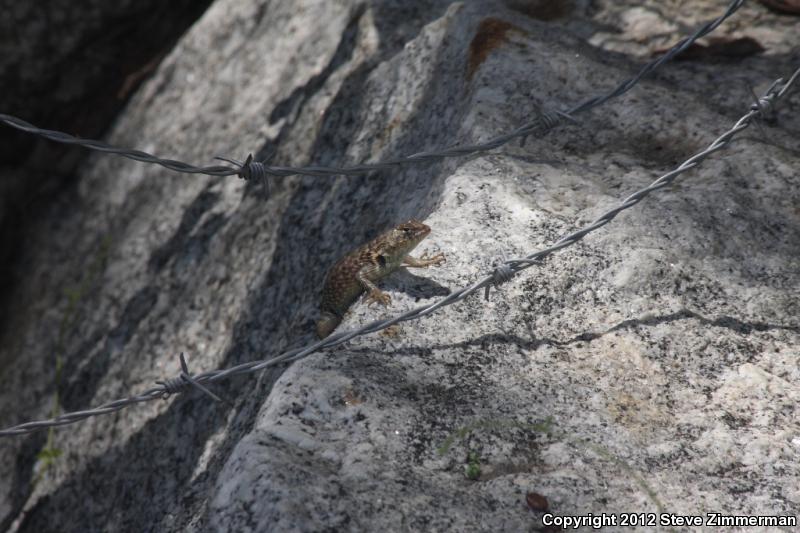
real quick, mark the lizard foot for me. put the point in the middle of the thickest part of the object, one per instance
(376, 296)
(436, 260)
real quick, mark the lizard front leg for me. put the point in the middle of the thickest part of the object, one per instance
(374, 294)
(424, 261)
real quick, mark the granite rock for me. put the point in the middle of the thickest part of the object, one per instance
(650, 368)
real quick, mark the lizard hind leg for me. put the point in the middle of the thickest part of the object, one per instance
(327, 323)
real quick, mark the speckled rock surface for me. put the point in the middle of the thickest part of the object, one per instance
(71, 66)
(651, 368)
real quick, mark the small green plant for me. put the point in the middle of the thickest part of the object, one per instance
(473, 469)
(547, 427)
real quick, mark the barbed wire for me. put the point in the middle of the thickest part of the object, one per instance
(682, 45)
(259, 170)
(101, 146)
(763, 107)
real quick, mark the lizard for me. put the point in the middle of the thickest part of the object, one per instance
(356, 273)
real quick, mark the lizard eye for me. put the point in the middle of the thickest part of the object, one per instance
(382, 260)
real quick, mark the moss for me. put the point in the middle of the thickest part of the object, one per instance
(74, 296)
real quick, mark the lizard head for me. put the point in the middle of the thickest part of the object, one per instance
(406, 236)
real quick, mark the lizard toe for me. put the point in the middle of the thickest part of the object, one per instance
(378, 297)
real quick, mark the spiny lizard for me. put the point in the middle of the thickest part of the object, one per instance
(355, 273)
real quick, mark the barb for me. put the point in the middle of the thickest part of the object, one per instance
(512, 266)
(503, 273)
(539, 126)
(185, 379)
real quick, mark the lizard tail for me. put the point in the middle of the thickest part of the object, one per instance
(327, 323)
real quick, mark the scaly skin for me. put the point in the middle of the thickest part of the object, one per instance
(356, 273)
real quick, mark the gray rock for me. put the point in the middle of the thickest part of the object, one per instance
(650, 368)
(70, 66)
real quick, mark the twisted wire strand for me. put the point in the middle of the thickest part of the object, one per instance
(682, 45)
(539, 126)
(101, 146)
(500, 274)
